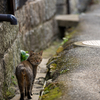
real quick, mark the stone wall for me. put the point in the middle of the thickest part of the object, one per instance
(76, 6)
(36, 29)
(37, 25)
(9, 57)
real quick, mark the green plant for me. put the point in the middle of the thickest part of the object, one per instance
(8, 92)
(13, 80)
(24, 55)
(65, 39)
(52, 92)
(63, 71)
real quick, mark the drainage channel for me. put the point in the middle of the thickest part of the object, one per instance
(90, 43)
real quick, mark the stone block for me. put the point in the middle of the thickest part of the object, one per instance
(29, 13)
(50, 8)
(8, 34)
(10, 60)
(8, 63)
(60, 2)
(1, 78)
(35, 12)
(40, 37)
(61, 9)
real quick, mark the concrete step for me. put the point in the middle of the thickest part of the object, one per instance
(67, 20)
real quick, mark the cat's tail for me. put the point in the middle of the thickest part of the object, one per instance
(20, 72)
(23, 71)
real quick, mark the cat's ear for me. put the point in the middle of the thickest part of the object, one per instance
(40, 53)
(31, 52)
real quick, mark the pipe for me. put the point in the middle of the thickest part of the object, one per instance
(9, 18)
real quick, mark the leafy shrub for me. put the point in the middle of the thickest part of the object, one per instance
(24, 55)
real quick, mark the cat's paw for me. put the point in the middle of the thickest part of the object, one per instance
(21, 98)
(31, 93)
(29, 97)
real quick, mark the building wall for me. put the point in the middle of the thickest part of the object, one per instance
(76, 6)
(36, 29)
(61, 7)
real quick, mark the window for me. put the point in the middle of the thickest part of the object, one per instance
(9, 6)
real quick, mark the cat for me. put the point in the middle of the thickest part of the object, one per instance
(26, 72)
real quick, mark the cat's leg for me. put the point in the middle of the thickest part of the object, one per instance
(25, 91)
(21, 88)
(28, 91)
(28, 85)
(22, 96)
(32, 87)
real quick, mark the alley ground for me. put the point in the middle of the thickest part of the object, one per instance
(41, 73)
(82, 81)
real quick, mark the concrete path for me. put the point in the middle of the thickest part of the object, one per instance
(82, 81)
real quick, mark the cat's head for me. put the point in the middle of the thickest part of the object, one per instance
(35, 57)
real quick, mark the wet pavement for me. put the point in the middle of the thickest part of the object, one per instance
(82, 81)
